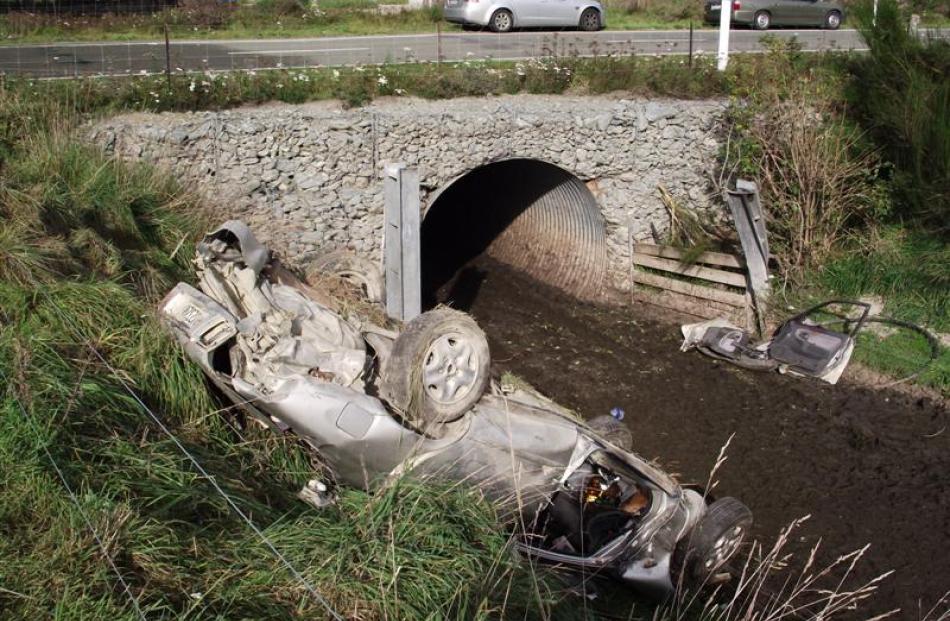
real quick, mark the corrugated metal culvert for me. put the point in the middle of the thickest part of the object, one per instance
(530, 214)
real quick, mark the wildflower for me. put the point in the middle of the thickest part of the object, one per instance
(382, 80)
(336, 74)
(191, 87)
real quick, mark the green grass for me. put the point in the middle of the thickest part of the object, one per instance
(907, 269)
(86, 248)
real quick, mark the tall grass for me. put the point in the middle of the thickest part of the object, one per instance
(86, 245)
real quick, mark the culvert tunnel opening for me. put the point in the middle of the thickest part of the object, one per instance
(528, 214)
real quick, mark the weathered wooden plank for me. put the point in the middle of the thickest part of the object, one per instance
(697, 291)
(695, 271)
(710, 258)
(750, 224)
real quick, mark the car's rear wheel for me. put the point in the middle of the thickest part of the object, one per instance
(501, 21)
(716, 539)
(438, 369)
(358, 271)
(833, 20)
(590, 20)
(762, 20)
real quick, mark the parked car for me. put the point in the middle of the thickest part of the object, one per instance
(377, 403)
(763, 14)
(504, 15)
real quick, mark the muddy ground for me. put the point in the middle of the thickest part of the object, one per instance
(869, 466)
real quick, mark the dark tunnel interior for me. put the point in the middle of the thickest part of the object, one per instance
(531, 215)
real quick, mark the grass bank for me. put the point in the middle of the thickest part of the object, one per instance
(87, 245)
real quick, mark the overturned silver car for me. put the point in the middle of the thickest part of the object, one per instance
(377, 402)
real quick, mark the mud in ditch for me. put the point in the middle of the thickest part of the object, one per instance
(869, 466)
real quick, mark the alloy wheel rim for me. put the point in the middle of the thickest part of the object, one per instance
(450, 368)
(763, 21)
(502, 21)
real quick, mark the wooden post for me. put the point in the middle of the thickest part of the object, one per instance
(402, 243)
(691, 43)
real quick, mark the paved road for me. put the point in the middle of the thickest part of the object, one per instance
(76, 59)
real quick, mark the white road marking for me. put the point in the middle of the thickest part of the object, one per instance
(292, 52)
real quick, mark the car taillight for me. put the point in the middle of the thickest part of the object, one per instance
(736, 5)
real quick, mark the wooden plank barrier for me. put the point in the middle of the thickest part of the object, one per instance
(727, 290)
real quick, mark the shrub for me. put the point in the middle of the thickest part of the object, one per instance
(900, 93)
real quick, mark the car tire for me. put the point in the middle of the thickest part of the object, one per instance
(351, 268)
(715, 540)
(762, 20)
(832, 20)
(501, 21)
(438, 369)
(612, 430)
(590, 20)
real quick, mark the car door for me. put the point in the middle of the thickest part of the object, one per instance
(564, 13)
(783, 12)
(528, 12)
(804, 13)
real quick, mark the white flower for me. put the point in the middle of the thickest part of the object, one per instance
(336, 74)
(191, 87)
(383, 81)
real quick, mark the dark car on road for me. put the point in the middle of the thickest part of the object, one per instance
(763, 14)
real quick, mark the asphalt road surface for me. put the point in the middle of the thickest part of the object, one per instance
(84, 59)
(145, 57)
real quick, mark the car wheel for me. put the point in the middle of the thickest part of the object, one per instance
(833, 20)
(609, 428)
(716, 539)
(502, 21)
(438, 369)
(762, 20)
(356, 270)
(590, 20)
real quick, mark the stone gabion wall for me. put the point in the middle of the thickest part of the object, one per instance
(307, 177)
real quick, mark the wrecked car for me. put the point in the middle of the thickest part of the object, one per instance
(377, 402)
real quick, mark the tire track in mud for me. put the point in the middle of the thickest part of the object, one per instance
(865, 464)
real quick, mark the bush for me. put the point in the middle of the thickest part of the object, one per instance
(901, 95)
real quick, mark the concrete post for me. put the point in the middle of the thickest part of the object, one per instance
(401, 242)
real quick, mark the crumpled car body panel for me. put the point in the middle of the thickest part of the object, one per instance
(295, 364)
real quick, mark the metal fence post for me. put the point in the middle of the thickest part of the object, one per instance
(401, 242)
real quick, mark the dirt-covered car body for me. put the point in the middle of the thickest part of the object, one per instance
(298, 365)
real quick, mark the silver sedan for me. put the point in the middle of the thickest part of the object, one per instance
(504, 15)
